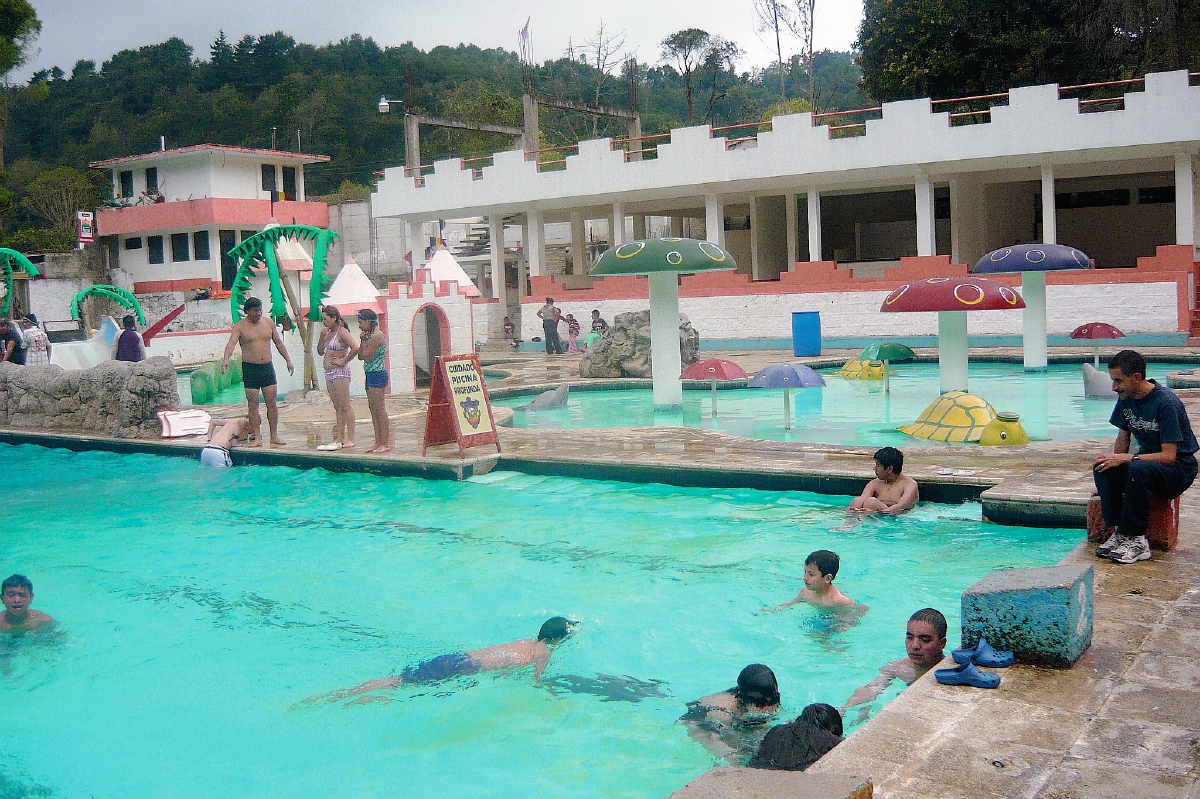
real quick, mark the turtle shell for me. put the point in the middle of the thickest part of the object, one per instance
(854, 369)
(956, 417)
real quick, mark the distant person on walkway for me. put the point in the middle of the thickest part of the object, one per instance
(820, 568)
(1164, 465)
(12, 343)
(890, 492)
(37, 344)
(924, 640)
(509, 331)
(17, 594)
(222, 435)
(372, 350)
(513, 655)
(572, 333)
(598, 324)
(796, 746)
(549, 316)
(256, 334)
(129, 345)
(731, 724)
(338, 346)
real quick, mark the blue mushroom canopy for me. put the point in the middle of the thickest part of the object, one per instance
(1031, 258)
(786, 375)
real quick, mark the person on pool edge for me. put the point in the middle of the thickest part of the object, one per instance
(925, 643)
(514, 654)
(256, 335)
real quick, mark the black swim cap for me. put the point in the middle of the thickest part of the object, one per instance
(554, 629)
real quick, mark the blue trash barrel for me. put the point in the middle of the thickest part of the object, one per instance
(806, 332)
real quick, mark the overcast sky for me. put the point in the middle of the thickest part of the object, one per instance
(95, 29)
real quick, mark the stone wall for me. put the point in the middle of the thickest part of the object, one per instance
(116, 399)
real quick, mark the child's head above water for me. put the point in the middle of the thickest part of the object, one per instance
(890, 457)
(823, 563)
(757, 686)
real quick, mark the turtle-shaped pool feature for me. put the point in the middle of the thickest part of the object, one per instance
(854, 369)
(956, 417)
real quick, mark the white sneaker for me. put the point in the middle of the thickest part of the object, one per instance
(1105, 549)
(1131, 549)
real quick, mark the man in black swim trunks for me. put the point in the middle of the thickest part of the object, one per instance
(515, 654)
(256, 335)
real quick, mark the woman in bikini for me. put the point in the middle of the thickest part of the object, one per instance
(373, 353)
(338, 346)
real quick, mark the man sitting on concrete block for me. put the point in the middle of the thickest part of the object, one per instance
(1165, 464)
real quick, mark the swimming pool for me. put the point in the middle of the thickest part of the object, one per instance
(197, 606)
(852, 412)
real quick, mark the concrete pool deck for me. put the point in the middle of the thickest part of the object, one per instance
(1124, 721)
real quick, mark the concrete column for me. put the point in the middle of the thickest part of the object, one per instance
(499, 290)
(639, 226)
(407, 248)
(536, 251)
(814, 224)
(523, 279)
(1033, 320)
(665, 361)
(755, 261)
(412, 144)
(1185, 199)
(714, 220)
(579, 264)
(420, 242)
(530, 108)
(1049, 216)
(616, 235)
(676, 226)
(952, 350)
(793, 243)
(926, 233)
(955, 228)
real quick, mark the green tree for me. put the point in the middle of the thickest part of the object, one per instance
(19, 27)
(56, 194)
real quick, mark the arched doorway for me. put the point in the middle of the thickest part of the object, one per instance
(431, 338)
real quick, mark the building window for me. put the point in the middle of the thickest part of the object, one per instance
(1156, 194)
(127, 183)
(179, 247)
(134, 243)
(1102, 198)
(200, 245)
(268, 178)
(152, 180)
(227, 240)
(155, 245)
(289, 183)
(248, 233)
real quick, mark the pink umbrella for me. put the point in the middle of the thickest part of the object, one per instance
(714, 369)
(1094, 331)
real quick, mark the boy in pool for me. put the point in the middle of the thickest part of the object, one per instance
(820, 568)
(18, 617)
(216, 451)
(924, 641)
(890, 492)
(515, 654)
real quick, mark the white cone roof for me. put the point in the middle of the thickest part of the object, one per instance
(443, 267)
(352, 287)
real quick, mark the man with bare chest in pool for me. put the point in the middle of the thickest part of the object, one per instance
(256, 335)
(890, 492)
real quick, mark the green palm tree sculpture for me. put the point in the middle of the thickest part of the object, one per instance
(118, 295)
(13, 261)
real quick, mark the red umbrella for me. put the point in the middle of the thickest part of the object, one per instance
(1094, 331)
(714, 369)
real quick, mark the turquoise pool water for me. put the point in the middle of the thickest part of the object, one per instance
(853, 412)
(197, 606)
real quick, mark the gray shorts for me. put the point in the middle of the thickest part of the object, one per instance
(217, 457)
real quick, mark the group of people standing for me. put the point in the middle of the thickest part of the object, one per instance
(552, 317)
(23, 342)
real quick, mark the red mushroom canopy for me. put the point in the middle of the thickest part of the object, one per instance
(1095, 330)
(714, 369)
(953, 294)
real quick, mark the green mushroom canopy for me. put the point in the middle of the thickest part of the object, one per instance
(650, 256)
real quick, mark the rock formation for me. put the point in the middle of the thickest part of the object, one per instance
(625, 349)
(116, 398)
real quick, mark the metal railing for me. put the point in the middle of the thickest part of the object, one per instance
(849, 129)
(644, 153)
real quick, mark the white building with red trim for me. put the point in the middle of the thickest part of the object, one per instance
(185, 208)
(830, 212)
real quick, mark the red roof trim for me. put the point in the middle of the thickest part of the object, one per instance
(225, 148)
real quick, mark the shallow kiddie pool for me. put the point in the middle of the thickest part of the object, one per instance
(198, 606)
(851, 412)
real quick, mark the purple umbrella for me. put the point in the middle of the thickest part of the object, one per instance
(786, 376)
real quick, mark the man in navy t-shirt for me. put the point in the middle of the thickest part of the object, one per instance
(1164, 464)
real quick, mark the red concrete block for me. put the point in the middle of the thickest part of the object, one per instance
(1162, 531)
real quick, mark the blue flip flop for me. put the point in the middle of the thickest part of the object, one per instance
(983, 655)
(967, 674)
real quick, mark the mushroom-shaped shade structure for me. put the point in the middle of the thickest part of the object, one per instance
(952, 298)
(663, 260)
(1094, 332)
(786, 376)
(1033, 261)
(886, 351)
(714, 369)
